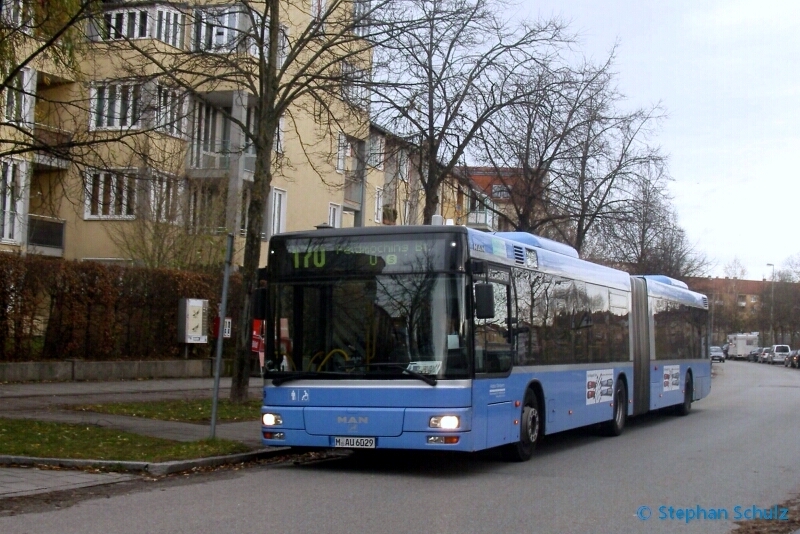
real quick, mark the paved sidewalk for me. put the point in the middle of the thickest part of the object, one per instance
(44, 401)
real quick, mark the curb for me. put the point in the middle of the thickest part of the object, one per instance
(158, 468)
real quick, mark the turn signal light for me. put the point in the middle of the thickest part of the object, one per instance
(443, 440)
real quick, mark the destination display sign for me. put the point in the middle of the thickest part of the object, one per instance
(368, 254)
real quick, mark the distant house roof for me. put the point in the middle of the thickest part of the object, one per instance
(726, 285)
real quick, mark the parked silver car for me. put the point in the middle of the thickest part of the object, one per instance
(779, 353)
(717, 355)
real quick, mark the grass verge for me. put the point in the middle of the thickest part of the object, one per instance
(185, 410)
(22, 437)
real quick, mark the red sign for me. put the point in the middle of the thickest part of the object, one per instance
(258, 338)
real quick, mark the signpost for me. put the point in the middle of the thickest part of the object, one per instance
(222, 310)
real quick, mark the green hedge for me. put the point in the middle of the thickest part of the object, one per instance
(52, 309)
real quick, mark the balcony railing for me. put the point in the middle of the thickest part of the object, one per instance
(352, 188)
(58, 140)
(217, 156)
(214, 155)
(483, 220)
(50, 135)
(46, 235)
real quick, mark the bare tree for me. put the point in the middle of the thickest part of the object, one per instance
(521, 143)
(735, 269)
(439, 81)
(568, 156)
(607, 154)
(645, 237)
(793, 266)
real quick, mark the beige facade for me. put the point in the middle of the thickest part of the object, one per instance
(179, 158)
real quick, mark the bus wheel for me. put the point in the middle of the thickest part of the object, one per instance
(530, 431)
(686, 406)
(617, 423)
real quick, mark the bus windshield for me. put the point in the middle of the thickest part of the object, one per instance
(382, 326)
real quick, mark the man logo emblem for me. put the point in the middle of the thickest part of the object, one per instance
(352, 420)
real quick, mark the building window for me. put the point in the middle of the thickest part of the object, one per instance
(116, 106)
(342, 152)
(376, 147)
(244, 215)
(12, 12)
(251, 125)
(206, 211)
(15, 98)
(753, 299)
(216, 30)
(402, 166)
(361, 17)
(166, 194)
(170, 26)
(171, 111)
(501, 191)
(211, 137)
(278, 216)
(163, 23)
(124, 24)
(355, 90)
(318, 8)
(256, 36)
(378, 205)
(10, 201)
(334, 215)
(277, 144)
(110, 195)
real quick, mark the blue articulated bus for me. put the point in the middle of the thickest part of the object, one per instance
(448, 338)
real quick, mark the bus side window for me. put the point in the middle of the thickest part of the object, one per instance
(493, 352)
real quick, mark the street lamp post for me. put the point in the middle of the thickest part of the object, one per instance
(772, 304)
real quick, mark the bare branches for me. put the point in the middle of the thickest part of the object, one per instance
(448, 74)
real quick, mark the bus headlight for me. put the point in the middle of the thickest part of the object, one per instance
(271, 419)
(445, 422)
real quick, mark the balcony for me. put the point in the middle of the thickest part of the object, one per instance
(481, 220)
(214, 158)
(45, 235)
(352, 189)
(58, 139)
(211, 155)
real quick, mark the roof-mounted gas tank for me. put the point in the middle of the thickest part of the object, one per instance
(540, 242)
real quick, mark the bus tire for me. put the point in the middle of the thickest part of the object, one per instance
(530, 431)
(686, 407)
(616, 425)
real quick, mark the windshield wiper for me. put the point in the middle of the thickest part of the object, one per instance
(431, 381)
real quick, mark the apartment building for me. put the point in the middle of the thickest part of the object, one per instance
(137, 154)
(464, 202)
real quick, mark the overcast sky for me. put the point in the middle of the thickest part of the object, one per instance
(727, 74)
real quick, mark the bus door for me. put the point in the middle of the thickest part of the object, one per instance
(494, 352)
(640, 345)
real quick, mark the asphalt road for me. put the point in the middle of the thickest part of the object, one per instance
(738, 447)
